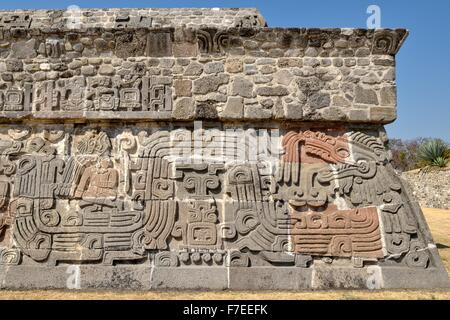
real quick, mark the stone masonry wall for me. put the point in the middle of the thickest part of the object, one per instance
(431, 188)
(131, 18)
(237, 73)
(199, 149)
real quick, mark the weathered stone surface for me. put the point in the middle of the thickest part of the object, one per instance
(234, 66)
(234, 108)
(214, 67)
(184, 109)
(209, 83)
(198, 149)
(365, 96)
(106, 70)
(193, 69)
(383, 114)
(272, 91)
(311, 52)
(388, 96)
(268, 278)
(339, 101)
(23, 49)
(359, 115)
(184, 49)
(97, 190)
(430, 188)
(256, 112)
(283, 77)
(159, 44)
(88, 70)
(319, 100)
(310, 84)
(294, 111)
(333, 113)
(242, 87)
(183, 88)
(206, 110)
(14, 65)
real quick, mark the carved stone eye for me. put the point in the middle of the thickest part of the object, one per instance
(342, 152)
(363, 166)
(359, 180)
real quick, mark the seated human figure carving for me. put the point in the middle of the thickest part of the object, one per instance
(98, 185)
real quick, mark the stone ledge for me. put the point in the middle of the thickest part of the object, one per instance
(83, 117)
(145, 277)
(254, 41)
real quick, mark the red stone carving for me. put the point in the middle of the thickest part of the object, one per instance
(337, 233)
(318, 147)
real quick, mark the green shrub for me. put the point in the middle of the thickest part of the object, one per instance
(404, 153)
(434, 152)
(440, 162)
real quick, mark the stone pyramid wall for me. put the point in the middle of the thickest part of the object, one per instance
(197, 148)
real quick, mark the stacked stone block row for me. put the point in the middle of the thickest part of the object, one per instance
(233, 74)
(106, 176)
(75, 17)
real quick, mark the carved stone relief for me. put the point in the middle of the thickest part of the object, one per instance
(103, 165)
(104, 196)
(117, 94)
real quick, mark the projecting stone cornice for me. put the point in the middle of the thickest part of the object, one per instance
(260, 42)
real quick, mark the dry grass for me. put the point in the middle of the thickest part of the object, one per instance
(439, 222)
(228, 295)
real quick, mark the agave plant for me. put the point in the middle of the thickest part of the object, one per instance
(434, 153)
(439, 162)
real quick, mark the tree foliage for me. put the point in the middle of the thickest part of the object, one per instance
(418, 153)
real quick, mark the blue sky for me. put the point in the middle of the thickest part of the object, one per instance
(423, 64)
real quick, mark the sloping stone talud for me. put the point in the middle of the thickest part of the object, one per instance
(108, 178)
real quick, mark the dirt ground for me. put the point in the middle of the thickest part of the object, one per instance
(439, 222)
